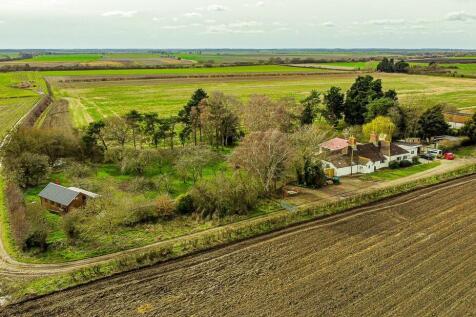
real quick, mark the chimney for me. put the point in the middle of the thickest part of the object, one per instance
(373, 139)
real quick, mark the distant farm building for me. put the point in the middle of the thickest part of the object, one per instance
(62, 199)
(457, 119)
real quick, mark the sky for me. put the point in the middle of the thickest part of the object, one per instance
(238, 24)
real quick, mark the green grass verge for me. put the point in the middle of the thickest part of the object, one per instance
(224, 235)
(389, 174)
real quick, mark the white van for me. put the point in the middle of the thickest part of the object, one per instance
(435, 152)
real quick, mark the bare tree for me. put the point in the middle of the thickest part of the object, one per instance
(262, 114)
(266, 155)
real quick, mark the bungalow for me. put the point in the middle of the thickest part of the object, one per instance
(62, 199)
(364, 158)
(413, 149)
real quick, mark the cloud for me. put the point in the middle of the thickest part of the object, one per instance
(1, 22)
(260, 3)
(328, 24)
(192, 15)
(210, 21)
(122, 14)
(217, 8)
(243, 27)
(175, 27)
(460, 16)
(385, 22)
(157, 19)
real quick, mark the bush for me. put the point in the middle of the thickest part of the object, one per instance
(140, 184)
(71, 225)
(29, 169)
(415, 160)
(225, 195)
(165, 206)
(185, 204)
(394, 165)
(144, 214)
(79, 170)
(405, 163)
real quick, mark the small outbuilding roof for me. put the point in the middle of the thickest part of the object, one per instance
(335, 144)
(58, 194)
(85, 192)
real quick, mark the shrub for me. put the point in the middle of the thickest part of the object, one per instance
(140, 184)
(71, 225)
(225, 195)
(185, 204)
(79, 170)
(29, 169)
(17, 213)
(394, 165)
(415, 160)
(405, 163)
(165, 206)
(143, 214)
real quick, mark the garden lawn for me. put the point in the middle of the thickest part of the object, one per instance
(389, 174)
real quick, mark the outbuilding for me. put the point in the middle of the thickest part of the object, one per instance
(62, 199)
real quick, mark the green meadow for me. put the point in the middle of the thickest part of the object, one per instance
(92, 101)
(184, 71)
(67, 58)
(16, 102)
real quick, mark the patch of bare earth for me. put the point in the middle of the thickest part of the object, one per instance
(414, 255)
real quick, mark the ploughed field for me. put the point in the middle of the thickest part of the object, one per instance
(414, 255)
(94, 100)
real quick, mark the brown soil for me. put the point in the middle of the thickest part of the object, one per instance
(414, 255)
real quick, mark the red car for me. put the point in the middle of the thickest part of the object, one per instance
(449, 156)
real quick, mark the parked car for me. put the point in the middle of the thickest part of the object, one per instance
(435, 153)
(427, 157)
(449, 156)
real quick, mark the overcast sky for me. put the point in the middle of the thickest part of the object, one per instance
(238, 24)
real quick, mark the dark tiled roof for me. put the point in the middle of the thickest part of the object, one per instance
(58, 194)
(370, 151)
(340, 160)
(396, 150)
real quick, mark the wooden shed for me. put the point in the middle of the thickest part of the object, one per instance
(62, 199)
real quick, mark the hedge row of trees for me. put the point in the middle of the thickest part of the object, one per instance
(366, 101)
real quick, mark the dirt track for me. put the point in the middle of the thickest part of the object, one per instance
(417, 258)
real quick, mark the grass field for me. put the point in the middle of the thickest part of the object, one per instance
(16, 102)
(184, 71)
(350, 65)
(93, 101)
(389, 174)
(68, 58)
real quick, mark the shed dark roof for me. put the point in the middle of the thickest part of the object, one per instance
(58, 194)
(370, 151)
(396, 150)
(340, 160)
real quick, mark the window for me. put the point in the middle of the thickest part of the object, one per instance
(399, 158)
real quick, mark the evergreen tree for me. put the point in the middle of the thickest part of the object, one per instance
(432, 123)
(310, 107)
(334, 102)
(360, 94)
(185, 115)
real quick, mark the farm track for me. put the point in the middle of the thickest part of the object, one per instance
(412, 255)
